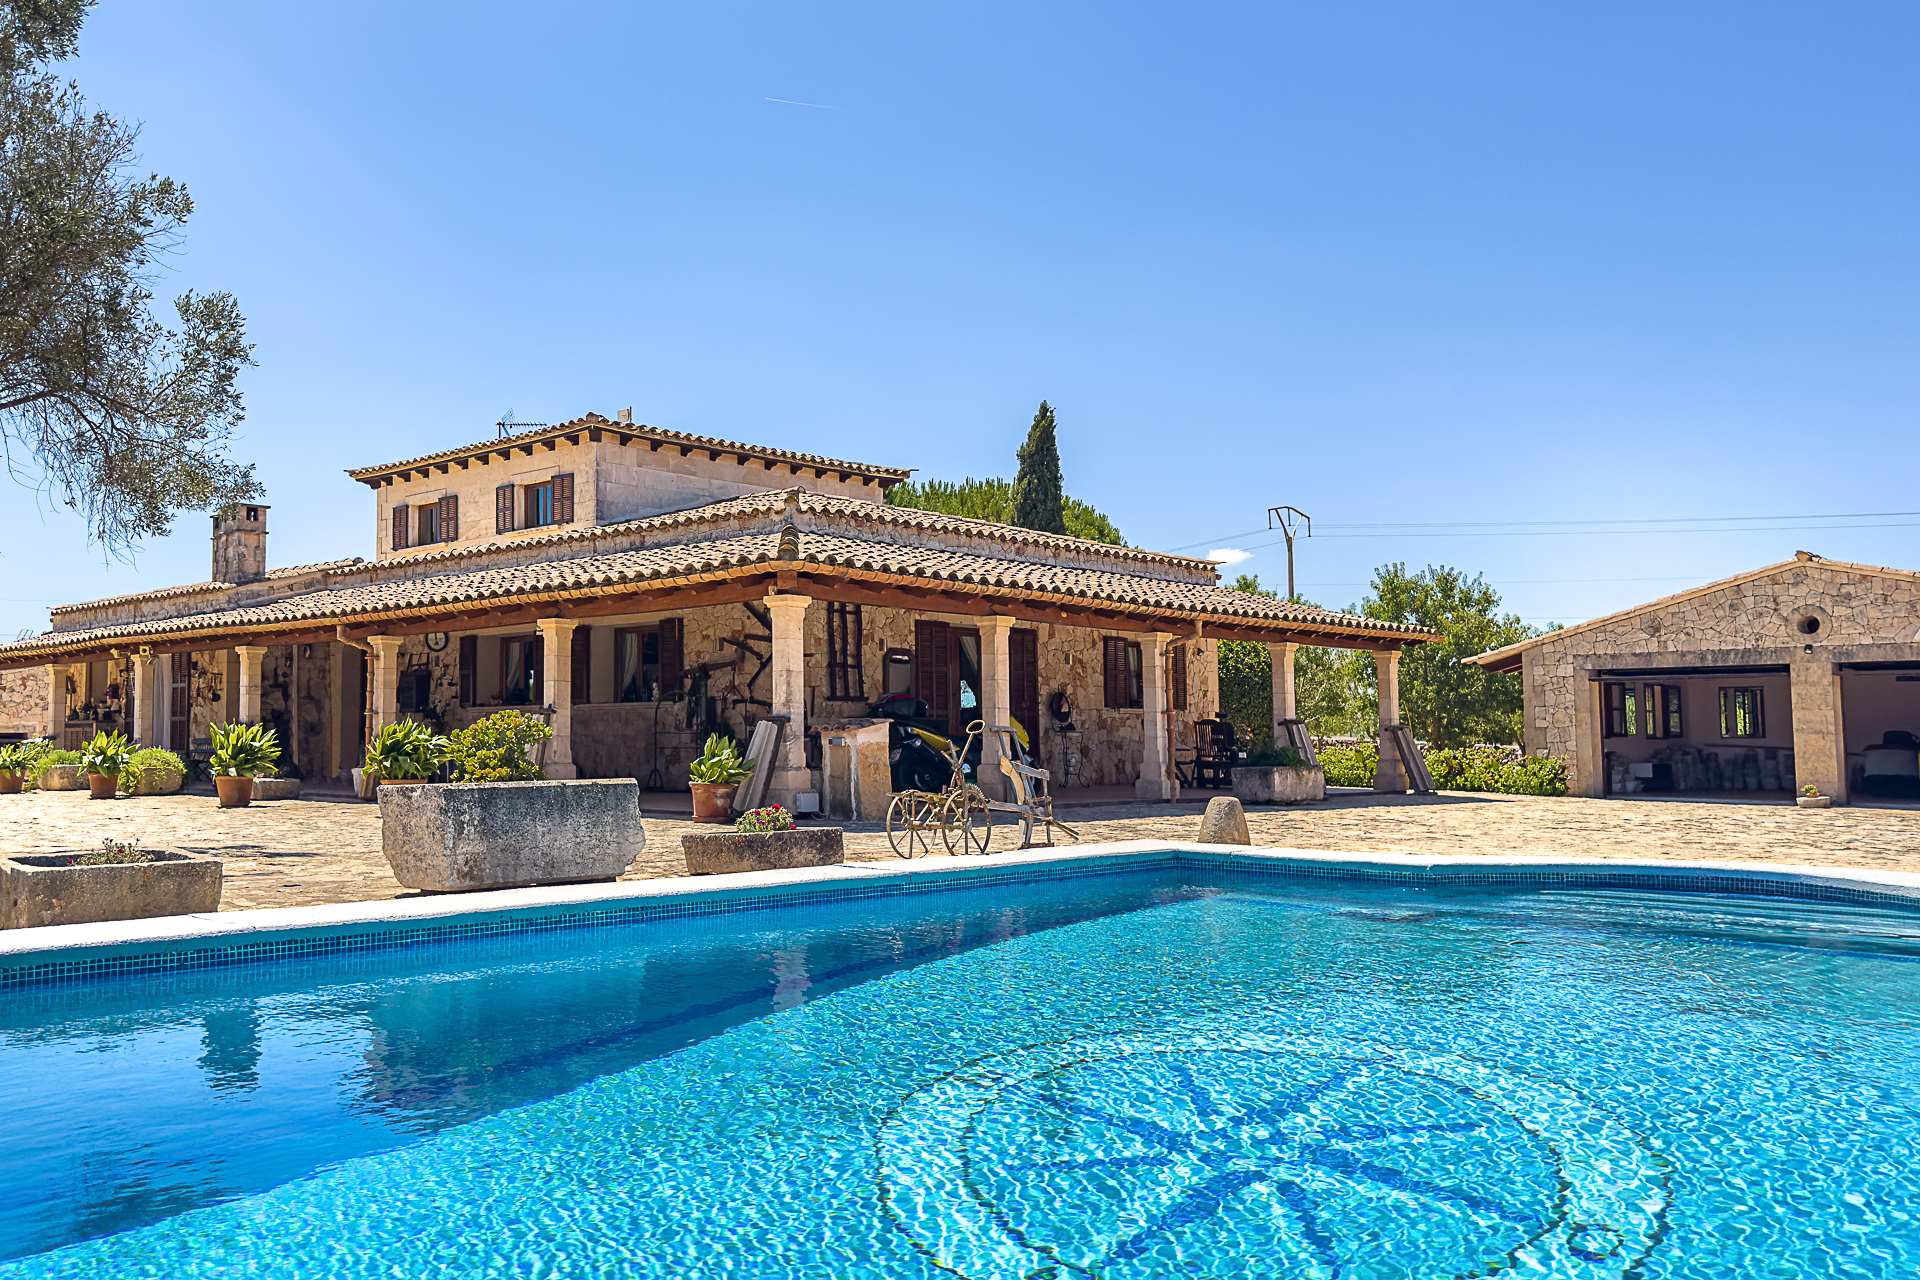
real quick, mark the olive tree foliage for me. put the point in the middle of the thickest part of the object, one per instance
(1333, 689)
(992, 499)
(1444, 700)
(108, 408)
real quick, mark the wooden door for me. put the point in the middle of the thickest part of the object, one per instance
(936, 676)
(179, 702)
(1023, 673)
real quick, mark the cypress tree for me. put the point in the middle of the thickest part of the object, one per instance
(1038, 502)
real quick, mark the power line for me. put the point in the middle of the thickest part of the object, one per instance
(1522, 525)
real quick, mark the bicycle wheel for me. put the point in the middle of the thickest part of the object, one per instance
(908, 818)
(967, 824)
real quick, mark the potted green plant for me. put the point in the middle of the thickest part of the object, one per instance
(240, 753)
(1278, 774)
(155, 771)
(1810, 798)
(715, 776)
(19, 761)
(59, 771)
(499, 749)
(103, 760)
(762, 840)
(405, 751)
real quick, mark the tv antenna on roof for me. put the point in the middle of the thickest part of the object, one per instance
(1290, 519)
(505, 423)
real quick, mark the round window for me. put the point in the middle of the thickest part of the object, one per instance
(1809, 626)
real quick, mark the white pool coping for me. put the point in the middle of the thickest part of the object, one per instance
(62, 944)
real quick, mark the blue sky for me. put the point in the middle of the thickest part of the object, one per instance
(1407, 265)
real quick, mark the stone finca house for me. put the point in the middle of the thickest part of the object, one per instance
(649, 588)
(1805, 672)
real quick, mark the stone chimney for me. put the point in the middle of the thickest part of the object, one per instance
(240, 543)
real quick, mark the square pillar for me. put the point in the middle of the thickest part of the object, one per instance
(789, 662)
(556, 648)
(386, 682)
(1391, 774)
(1283, 702)
(250, 655)
(57, 704)
(145, 699)
(1156, 779)
(996, 702)
(1819, 728)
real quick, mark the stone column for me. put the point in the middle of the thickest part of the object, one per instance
(996, 702)
(1391, 773)
(145, 696)
(1587, 774)
(1156, 780)
(1283, 704)
(57, 703)
(790, 773)
(556, 653)
(250, 657)
(1819, 728)
(386, 682)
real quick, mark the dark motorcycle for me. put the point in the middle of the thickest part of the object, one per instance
(918, 765)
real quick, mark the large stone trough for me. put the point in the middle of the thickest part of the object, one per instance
(447, 837)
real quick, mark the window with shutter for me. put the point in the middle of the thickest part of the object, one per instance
(503, 509)
(400, 515)
(672, 657)
(1177, 678)
(582, 677)
(469, 670)
(450, 518)
(1114, 667)
(846, 682)
(563, 498)
(933, 668)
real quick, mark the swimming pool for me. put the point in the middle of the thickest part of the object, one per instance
(1172, 1070)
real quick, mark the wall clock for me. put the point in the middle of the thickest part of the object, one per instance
(436, 640)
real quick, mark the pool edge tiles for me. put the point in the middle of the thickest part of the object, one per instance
(69, 953)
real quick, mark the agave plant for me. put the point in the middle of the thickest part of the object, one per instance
(405, 750)
(107, 754)
(720, 763)
(243, 750)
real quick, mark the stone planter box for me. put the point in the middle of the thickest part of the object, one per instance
(1279, 786)
(720, 852)
(449, 837)
(39, 889)
(63, 777)
(157, 782)
(1814, 802)
(276, 788)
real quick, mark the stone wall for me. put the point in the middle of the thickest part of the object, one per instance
(23, 701)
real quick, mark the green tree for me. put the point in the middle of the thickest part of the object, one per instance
(1332, 688)
(1038, 501)
(1443, 700)
(118, 414)
(992, 499)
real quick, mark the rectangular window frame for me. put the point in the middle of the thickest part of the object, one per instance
(1122, 674)
(1660, 711)
(532, 668)
(1743, 713)
(536, 505)
(846, 682)
(630, 664)
(1620, 709)
(428, 519)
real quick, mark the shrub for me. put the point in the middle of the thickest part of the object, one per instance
(24, 758)
(1350, 765)
(243, 750)
(405, 751)
(771, 818)
(720, 763)
(1502, 770)
(1272, 757)
(157, 758)
(107, 754)
(495, 749)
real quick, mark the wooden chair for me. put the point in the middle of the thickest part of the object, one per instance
(1217, 750)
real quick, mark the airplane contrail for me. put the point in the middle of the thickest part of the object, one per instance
(790, 102)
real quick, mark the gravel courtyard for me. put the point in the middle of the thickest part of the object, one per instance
(300, 852)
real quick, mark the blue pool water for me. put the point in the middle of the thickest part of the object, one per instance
(1150, 1074)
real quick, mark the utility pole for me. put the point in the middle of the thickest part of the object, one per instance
(1289, 519)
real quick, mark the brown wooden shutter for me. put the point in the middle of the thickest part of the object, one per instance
(1114, 669)
(582, 677)
(1177, 679)
(673, 658)
(400, 527)
(469, 669)
(1023, 673)
(563, 498)
(450, 518)
(933, 669)
(503, 509)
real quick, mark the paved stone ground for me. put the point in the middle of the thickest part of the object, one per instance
(300, 852)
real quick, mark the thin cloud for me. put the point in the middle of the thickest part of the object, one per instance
(1229, 556)
(791, 103)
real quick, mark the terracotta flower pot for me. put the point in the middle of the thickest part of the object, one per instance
(235, 793)
(102, 786)
(10, 783)
(713, 801)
